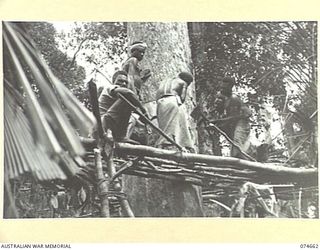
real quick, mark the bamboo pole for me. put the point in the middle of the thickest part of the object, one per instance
(166, 177)
(300, 203)
(123, 167)
(221, 204)
(102, 184)
(109, 154)
(125, 206)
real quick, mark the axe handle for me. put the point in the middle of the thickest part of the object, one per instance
(149, 122)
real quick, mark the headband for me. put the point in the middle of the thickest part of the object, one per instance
(138, 46)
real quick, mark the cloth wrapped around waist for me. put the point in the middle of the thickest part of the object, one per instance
(172, 119)
(169, 95)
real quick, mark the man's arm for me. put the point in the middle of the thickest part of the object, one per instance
(243, 115)
(180, 88)
(245, 111)
(131, 96)
(227, 119)
(236, 110)
(145, 75)
(183, 92)
(134, 79)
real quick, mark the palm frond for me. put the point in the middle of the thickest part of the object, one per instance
(39, 137)
(21, 153)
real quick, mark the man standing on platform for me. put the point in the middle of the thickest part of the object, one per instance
(171, 113)
(114, 111)
(136, 76)
(235, 117)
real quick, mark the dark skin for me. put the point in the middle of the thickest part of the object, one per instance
(233, 115)
(136, 77)
(138, 54)
(122, 82)
(219, 103)
(179, 88)
(120, 111)
(234, 122)
(184, 91)
(232, 108)
(226, 89)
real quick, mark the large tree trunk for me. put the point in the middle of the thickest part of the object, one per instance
(168, 53)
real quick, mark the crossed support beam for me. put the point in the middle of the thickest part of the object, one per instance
(276, 172)
(266, 172)
(203, 170)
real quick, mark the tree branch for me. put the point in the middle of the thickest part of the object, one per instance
(76, 53)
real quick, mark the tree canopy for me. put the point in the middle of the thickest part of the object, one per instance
(274, 64)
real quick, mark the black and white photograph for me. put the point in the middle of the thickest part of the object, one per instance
(160, 119)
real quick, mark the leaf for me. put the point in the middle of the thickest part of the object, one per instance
(48, 146)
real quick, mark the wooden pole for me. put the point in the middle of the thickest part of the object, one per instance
(102, 184)
(211, 125)
(125, 206)
(300, 203)
(221, 204)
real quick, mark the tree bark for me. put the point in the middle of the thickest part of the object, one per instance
(168, 54)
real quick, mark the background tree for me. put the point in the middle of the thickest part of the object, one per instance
(99, 45)
(274, 65)
(45, 37)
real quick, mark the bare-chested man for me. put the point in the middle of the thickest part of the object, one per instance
(235, 117)
(172, 116)
(115, 112)
(136, 76)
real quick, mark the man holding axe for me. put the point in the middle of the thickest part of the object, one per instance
(114, 111)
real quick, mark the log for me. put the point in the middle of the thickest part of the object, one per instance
(297, 174)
